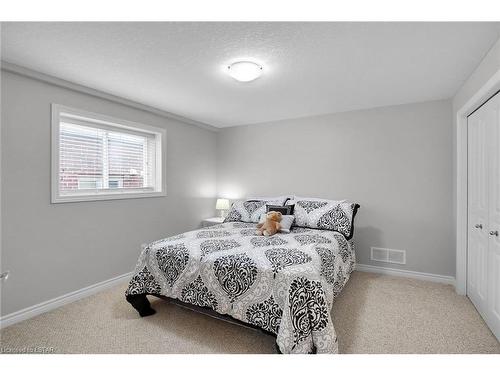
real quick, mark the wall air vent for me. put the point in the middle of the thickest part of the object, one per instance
(380, 254)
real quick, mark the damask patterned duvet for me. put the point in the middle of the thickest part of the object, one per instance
(284, 284)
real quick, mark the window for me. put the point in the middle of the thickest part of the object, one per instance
(96, 157)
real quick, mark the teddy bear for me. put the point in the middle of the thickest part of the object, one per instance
(271, 225)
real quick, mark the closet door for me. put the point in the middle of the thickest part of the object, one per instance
(493, 319)
(478, 215)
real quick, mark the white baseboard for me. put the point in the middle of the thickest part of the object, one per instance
(404, 273)
(54, 303)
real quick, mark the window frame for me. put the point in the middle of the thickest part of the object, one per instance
(159, 134)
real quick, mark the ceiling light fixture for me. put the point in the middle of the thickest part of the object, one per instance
(244, 71)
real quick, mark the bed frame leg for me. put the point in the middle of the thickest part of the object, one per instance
(141, 303)
(278, 351)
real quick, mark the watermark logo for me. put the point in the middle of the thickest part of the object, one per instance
(27, 350)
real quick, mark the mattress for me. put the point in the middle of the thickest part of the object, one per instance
(284, 284)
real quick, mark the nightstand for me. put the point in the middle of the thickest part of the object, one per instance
(212, 221)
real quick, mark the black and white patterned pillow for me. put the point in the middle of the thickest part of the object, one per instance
(248, 211)
(276, 200)
(325, 214)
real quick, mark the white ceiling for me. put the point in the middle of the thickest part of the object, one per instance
(309, 68)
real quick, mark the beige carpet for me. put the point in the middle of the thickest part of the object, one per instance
(374, 314)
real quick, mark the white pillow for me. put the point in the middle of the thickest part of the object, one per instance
(286, 222)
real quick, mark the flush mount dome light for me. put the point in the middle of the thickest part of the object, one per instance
(244, 71)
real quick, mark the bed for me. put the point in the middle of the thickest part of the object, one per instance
(284, 284)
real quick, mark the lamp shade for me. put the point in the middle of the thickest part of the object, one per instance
(222, 204)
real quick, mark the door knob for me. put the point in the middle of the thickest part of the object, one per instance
(480, 226)
(494, 233)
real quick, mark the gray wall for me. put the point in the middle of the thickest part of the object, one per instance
(394, 161)
(53, 249)
(484, 71)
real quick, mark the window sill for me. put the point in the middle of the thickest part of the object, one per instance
(106, 197)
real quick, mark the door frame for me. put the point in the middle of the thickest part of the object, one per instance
(481, 96)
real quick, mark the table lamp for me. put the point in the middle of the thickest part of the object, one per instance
(222, 205)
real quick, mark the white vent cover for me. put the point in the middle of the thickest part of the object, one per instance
(381, 254)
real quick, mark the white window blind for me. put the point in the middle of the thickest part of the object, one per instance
(98, 158)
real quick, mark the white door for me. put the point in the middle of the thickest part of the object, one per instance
(477, 254)
(483, 253)
(494, 216)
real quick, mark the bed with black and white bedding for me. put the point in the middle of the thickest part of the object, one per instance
(284, 284)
